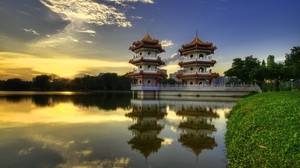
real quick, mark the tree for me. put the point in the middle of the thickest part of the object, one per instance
(15, 84)
(242, 69)
(41, 82)
(292, 61)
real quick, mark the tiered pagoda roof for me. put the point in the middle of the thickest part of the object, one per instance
(143, 60)
(144, 73)
(197, 44)
(198, 62)
(198, 75)
(147, 42)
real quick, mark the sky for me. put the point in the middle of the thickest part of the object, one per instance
(72, 38)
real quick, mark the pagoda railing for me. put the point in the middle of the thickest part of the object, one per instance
(196, 59)
(202, 87)
(137, 57)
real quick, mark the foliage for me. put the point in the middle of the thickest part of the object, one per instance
(292, 60)
(263, 131)
(105, 81)
(243, 68)
(250, 70)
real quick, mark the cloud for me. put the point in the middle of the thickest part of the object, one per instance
(121, 2)
(136, 17)
(167, 43)
(31, 31)
(24, 152)
(87, 11)
(88, 41)
(174, 57)
(88, 31)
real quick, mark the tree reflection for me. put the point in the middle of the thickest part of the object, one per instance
(103, 101)
(146, 113)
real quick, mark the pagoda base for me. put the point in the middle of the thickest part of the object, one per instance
(161, 92)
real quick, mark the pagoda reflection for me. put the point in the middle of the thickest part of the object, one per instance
(146, 114)
(196, 126)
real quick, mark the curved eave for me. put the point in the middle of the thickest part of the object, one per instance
(157, 47)
(196, 75)
(142, 60)
(198, 62)
(141, 73)
(207, 49)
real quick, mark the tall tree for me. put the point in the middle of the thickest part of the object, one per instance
(292, 61)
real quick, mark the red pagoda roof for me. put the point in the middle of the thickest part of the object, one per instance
(142, 60)
(132, 74)
(196, 75)
(147, 42)
(197, 44)
(198, 62)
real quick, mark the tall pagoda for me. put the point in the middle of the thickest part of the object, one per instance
(196, 62)
(147, 62)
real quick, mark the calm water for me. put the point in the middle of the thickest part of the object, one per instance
(110, 130)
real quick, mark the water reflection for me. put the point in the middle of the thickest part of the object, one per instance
(110, 130)
(146, 129)
(105, 101)
(196, 126)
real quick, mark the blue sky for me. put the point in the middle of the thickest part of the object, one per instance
(73, 37)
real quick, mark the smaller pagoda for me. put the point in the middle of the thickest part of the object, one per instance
(147, 62)
(196, 62)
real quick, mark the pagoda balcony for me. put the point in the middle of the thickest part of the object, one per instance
(197, 61)
(149, 72)
(146, 59)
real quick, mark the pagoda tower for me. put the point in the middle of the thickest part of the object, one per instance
(147, 62)
(196, 62)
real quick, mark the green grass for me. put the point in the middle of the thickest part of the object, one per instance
(263, 130)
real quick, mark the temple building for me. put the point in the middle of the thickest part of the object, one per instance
(147, 62)
(195, 75)
(197, 62)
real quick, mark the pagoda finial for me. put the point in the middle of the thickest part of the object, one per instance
(196, 33)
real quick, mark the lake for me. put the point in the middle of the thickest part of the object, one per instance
(65, 129)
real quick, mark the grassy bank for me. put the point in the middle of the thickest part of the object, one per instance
(264, 131)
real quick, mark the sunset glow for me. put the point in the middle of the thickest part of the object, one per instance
(71, 38)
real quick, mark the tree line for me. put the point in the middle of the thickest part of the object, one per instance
(104, 81)
(269, 75)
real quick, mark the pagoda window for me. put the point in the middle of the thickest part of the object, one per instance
(149, 82)
(191, 69)
(201, 56)
(191, 83)
(191, 56)
(149, 66)
(141, 67)
(140, 82)
(141, 53)
(201, 69)
(149, 53)
(200, 83)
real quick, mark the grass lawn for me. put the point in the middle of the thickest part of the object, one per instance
(263, 130)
